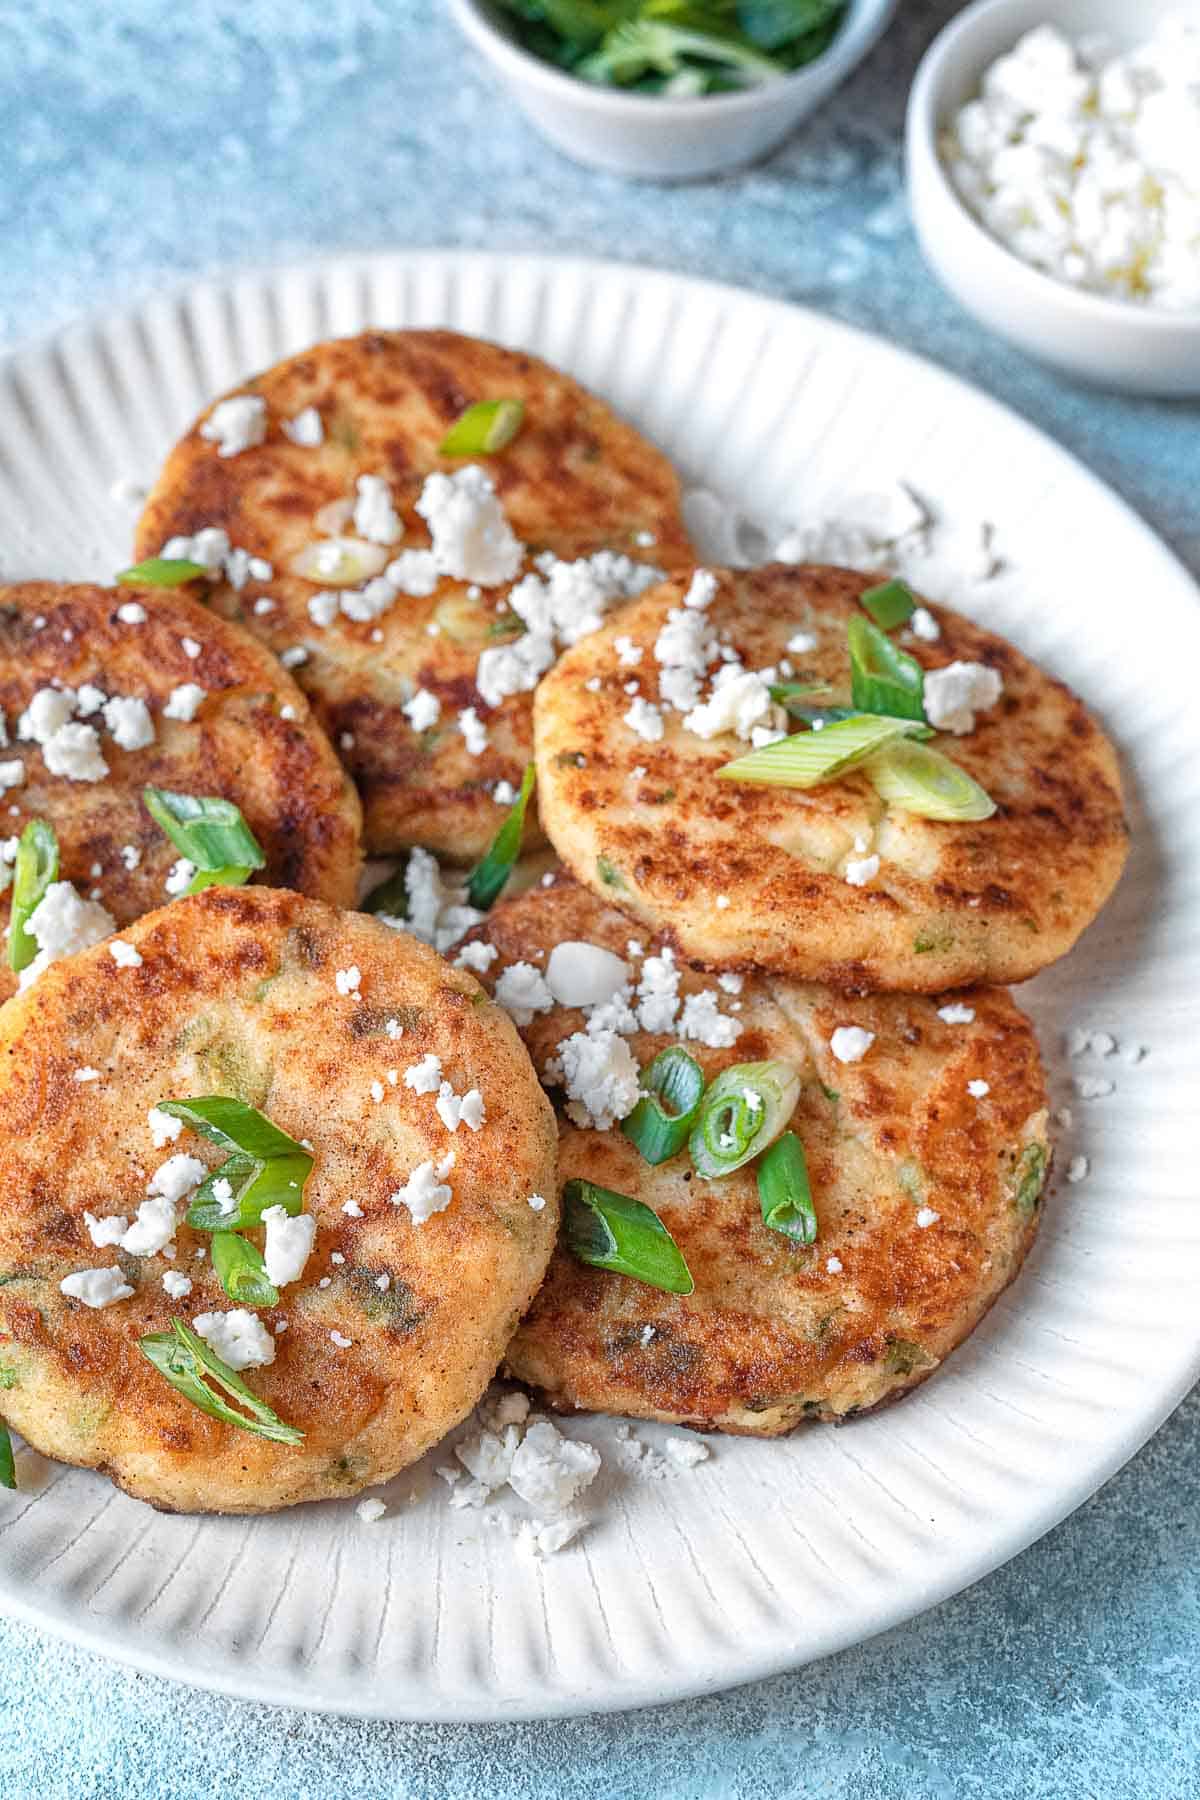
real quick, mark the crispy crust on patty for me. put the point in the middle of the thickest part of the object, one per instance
(952, 904)
(236, 994)
(576, 479)
(772, 1335)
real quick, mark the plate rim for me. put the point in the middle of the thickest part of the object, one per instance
(259, 1683)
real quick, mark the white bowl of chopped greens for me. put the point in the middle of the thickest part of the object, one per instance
(671, 89)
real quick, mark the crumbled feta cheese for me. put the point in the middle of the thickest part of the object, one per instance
(179, 876)
(739, 701)
(834, 1265)
(683, 649)
(923, 625)
(703, 1021)
(522, 991)
(86, 1074)
(62, 923)
(178, 1286)
(427, 1190)
(702, 590)
(305, 429)
(222, 1193)
(1093, 1087)
(850, 1043)
(478, 957)
(537, 1202)
(927, 1217)
(454, 1108)
(294, 656)
(423, 710)
(1077, 1169)
(106, 1232)
(723, 903)
(549, 1471)
(474, 731)
(471, 538)
(802, 642)
(861, 871)
(629, 654)
(12, 774)
(348, 981)
(956, 1013)
(514, 668)
(96, 1287)
(190, 647)
(600, 1077)
(74, 751)
(658, 992)
(48, 711)
(177, 1176)
(154, 1226)
(370, 1510)
(164, 1127)
(239, 1338)
(413, 572)
(424, 1077)
(90, 700)
(124, 955)
(954, 695)
(287, 1245)
(978, 1090)
(236, 424)
(184, 701)
(582, 974)
(645, 719)
(352, 1209)
(374, 514)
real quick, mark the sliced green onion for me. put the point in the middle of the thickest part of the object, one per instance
(163, 571)
(483, 429)
(487, 878)
(206, 878)
(743, 1111)
(660, 1122)
(811, 757)
(923, 781)
(266, 1167)
(390, 896)
(186, 1361)
(35, 868)
(890, 604)
(241, 1271)
(8, 1468)
(883, 678)
(785, 692)
(784, 1192)
(611, 1231)
(210, 832)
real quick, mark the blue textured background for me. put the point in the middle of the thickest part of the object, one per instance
(144, 141)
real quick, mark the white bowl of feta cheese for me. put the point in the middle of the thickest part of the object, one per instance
(667, 138)
(1054, 178)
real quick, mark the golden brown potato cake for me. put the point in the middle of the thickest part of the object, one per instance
(574, 481)
(237, 993)
(926, 1197)
(743, 876)
(252, 740)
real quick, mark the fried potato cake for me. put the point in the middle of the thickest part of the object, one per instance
(742, 876)
(238, 728)
(394, 1327)
(576, 480)
(926, 1196)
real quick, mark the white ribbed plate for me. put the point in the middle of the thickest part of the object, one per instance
(770, 1554)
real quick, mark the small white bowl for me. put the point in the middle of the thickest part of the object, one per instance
(658, 138)
(1111, 343)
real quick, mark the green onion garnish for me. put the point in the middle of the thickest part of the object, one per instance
(483, 429)
(35, 868)
(487, 878)
(163, 571)
(8, 1468)
(265, 1167)
(784, 1192)
(241, 1271)
(206, 878)
(611, 1231)
(186, 1360)
(210, 832)
(660, 1122)
(812, 757)
(743, 1111)
(890, 604)
(923, 781)
(883, 678)
(390, 896)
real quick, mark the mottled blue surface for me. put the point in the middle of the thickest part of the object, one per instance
(143, 142)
